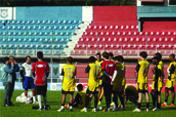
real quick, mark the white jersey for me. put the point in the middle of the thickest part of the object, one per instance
(27, 69)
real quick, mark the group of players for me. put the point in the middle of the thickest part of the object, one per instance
(106, 77)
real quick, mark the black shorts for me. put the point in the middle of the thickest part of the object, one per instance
(118, 93)
(91, 92)
(41, 89)
(67, 92)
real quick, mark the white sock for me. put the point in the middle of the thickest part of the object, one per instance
(34, 100)
(85, 108)
(26, 98)
(39, 97)
(71, 107)
(62, 107)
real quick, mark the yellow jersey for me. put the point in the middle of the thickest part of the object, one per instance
(162, 67)
(158, 73)
(172, 71)
(120, 77)
(69, 83)
(99, 62)
(94, 70)
(142, 69)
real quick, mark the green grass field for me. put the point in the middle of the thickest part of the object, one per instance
(54, 100)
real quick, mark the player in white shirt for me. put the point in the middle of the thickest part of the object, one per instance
(27, 76)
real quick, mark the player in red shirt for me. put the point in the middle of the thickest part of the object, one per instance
(40, 70)
(109, 72)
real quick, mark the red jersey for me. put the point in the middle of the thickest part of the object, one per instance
(109, 67)
(40, 69)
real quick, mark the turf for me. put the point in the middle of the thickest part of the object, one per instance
(54, 100)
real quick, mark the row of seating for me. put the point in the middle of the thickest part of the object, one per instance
(34, 33)
(34, 39)
(111, 27)
(40, 21)
(129, 33)
(39, 27)
(29, 52)
(126, 46)
(126, 39)
(33, 46)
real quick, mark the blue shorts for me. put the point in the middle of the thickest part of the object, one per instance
(28, 83)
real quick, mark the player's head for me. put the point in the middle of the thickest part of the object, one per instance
(105, 55)
(40, 55)
(172, 57)
(143, 55)
(155, 60)
(5, 60)
(92, 59)
(28, 59)
(119, 59)
(158, 55)
(80, 87)
(70, 60)
(11, 58)
(111, 55)
(98, 56)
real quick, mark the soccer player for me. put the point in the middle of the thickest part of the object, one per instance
(95, 73)
(119, 82)
(170, 84)
(69, 83)
(130, 94)
(7, 80)
(142, 80)
(156, 84)
(40, 70)
(109, 73)
(26, 74)
(99, 61)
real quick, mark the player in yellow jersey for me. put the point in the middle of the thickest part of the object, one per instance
(130, 94)
(99, 61)
(95, 72)
(119, 82)
(68, 84)
(156, 84)
(159, 56)
(141, 70)
(170, 84)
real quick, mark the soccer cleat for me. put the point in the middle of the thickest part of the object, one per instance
(170, 105)
(156, 109)
(136, 110)
(147, 110)
(71, 110)
(84, 110)
(112, 104)
(164, 104)
(94, 110)
(100, 108)
(116, 109)
(61, 110)
(106, 110)
(153, 107)
(99, 103)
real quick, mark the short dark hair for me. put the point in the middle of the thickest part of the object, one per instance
(111, 54)
(5, 59)
(70, 59)
(172, 55)
(105, 55)
(158, 55)
(80, 86)
(27, 57)
(98, 54)
(155, 58)
(11, 56)
(119, 58)
(40, 54)
(143, 54)
(92, 59)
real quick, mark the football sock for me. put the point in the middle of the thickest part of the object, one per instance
(44, 100)
(122, 101)
(87, 101)
(62, 107)
(34, 100)
(70, 105)
(85, 108)
(95, 101)
(147, 105)
(39, 101)
(154, 100)
(165, 101)
(172, 102)
(159, 105)
(115, 101)
(139, 105)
